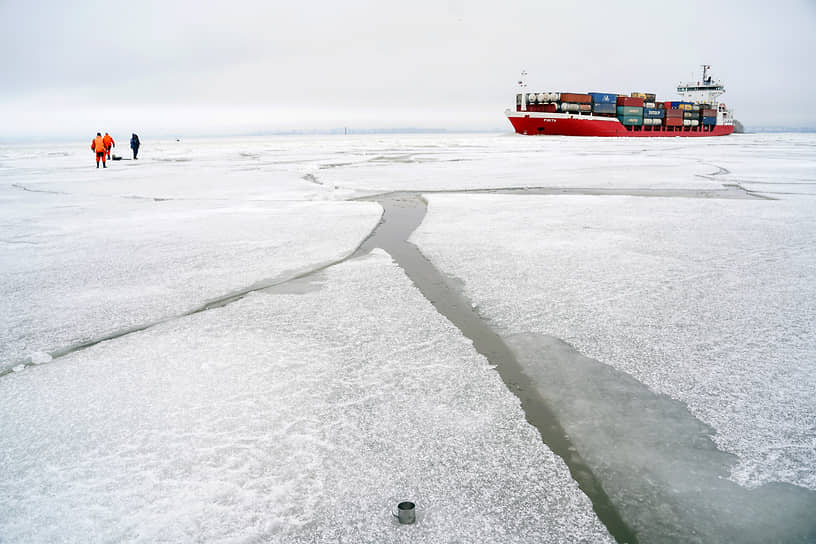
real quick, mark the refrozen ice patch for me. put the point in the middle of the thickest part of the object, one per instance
(283, 417)
(656, 461)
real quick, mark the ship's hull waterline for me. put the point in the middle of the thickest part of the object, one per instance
(560, 124)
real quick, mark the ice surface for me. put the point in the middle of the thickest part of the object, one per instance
(485, 161)
(284, 418)
(81, 257)
(708, 301)
(778, 165)
(308, 411)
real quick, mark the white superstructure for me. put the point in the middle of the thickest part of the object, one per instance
(706, 91)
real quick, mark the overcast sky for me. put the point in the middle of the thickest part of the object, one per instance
(186, 68)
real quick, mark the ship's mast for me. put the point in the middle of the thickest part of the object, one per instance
(705, 91)
(523, 86)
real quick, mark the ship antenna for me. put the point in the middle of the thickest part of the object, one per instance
(705, 71)
(522, 84)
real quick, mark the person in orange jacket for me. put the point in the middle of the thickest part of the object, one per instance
(108, 143)
(98, 145)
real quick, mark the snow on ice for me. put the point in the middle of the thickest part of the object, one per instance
(306, 411)
(283, 417)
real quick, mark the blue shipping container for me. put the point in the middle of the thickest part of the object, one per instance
(709, 120)
(675, 105)
(653, 113)
(604, 108)
(603, 98)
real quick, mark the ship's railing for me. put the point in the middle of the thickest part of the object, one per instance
(690, 88)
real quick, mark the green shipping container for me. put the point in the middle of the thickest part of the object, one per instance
(631, 120)
(629, 111)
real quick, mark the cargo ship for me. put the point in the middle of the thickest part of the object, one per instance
(698, 113)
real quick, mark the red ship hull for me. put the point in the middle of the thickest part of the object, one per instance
(565, 124)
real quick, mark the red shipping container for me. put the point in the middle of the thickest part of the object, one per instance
(630, 101)
(667, 105)
(549, 108)
(576, 98)
(674, 121)
(674, 113)
(708, 113)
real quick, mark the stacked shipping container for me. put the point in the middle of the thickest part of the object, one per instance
(603, 103)
(635, 110)
(630, 110)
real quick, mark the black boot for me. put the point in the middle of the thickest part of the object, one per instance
(104, 165)
(97, 165)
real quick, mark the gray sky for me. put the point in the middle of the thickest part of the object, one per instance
(185, 68)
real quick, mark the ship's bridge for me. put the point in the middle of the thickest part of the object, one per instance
(704, 91)
(688, 87)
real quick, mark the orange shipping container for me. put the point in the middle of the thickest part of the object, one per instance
(576, 98)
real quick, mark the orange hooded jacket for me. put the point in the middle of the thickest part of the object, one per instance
(108, 139)
(98, 144)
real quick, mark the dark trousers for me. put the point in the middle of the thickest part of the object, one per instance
(135, 151)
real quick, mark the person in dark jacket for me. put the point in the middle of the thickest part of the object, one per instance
(134, 145)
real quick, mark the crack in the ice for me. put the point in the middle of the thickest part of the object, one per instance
(24, 188)
(18, 242)
(311, 178)
(237, 295)
(735, 183)
(218, 302)
(403, 213)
